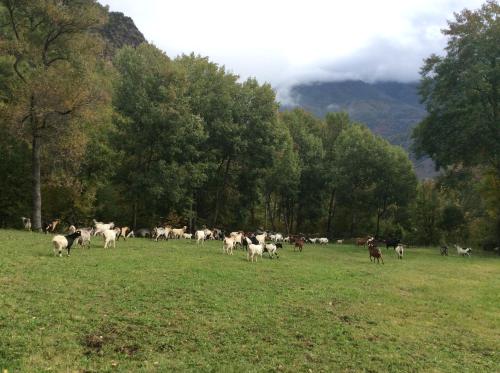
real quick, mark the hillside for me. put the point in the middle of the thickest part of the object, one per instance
(390, 109)
(120, 31)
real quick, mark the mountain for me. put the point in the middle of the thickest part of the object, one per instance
(119, 31)
(389, 109)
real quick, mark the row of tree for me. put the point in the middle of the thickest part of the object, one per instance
(141, 138)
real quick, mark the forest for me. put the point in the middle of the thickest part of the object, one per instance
(125, 133)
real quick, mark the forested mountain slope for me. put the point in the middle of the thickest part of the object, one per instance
(390, 109)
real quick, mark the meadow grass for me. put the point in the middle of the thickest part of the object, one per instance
(175, 306)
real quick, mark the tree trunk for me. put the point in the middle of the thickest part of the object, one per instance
(353, 223)
(135, 215)
(378, 225)
(331, 214)
(36, 192)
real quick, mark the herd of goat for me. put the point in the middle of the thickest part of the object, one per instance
(255, 244)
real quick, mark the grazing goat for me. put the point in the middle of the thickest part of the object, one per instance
(199, 236)
(444, 250)
(187, 236)
(26, 223)
(463, 252)
(374, 251)
(272, 249)
(178, 232)
(399, 251)
(109, 238)
(254, 251)
(340, 242)
(323, 241)
(64, 242)
(312, 240)
(228, 245)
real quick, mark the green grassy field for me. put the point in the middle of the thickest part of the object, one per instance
(173, 306)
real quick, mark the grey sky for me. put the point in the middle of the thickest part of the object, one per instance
(285, 42)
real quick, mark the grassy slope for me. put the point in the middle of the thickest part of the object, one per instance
(174, 306)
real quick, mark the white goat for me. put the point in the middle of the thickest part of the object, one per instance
(64, 242)
(261, 238)
(254, 251)
(159, 232)
(271, 249)
(399, 251)
(84, 239)
(463, 252)
(26, 223)
(109, 238)
(237, 237)
(340, 241)
(209, 235)
(100, 227)
(228, 245)
(278, 237)
(187, 236)
(200, 236)
(177, 233)
(322, 241)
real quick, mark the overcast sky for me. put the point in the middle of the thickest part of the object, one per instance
(285, 42)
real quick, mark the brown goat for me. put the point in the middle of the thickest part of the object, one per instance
(362, 241)
(374, 251)
(299, 243)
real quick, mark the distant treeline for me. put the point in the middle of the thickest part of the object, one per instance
(140, 139)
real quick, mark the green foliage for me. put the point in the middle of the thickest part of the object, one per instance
(461, 93)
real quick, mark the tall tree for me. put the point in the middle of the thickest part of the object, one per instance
(461, 92)
(158, 137)
(53, 54)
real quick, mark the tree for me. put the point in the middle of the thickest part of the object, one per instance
(158, 137)
(426, 213)
(461, 92)
(53, 56)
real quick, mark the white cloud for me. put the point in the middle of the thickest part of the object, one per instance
(300, 40)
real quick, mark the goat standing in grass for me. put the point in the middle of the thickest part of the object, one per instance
(299, 244)
(399, 251)
(64, 242)
(463, 252)
(200, 237)
(374, 251)
(26, 223)
(254, 251)
(444, 250)
(272, 249)
(228, 245)
(109, 238)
